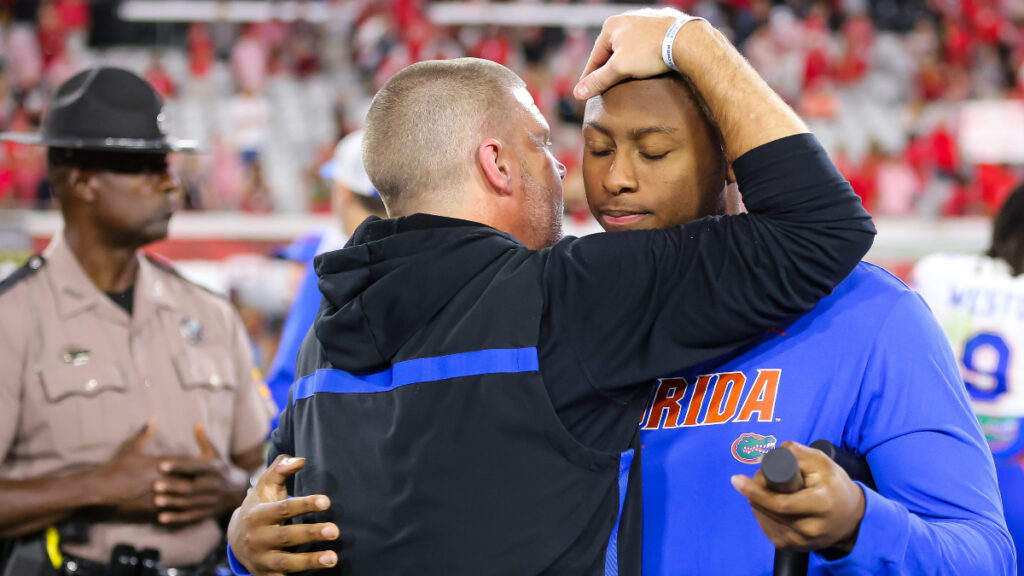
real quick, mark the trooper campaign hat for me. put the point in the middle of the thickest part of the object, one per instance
(105, 109)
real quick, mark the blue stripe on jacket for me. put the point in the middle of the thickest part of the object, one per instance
(494, 361)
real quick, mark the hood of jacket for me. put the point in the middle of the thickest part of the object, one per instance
(391, 278)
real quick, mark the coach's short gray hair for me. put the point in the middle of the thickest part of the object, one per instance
(425, 124)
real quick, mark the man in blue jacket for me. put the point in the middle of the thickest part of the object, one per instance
(868, 369)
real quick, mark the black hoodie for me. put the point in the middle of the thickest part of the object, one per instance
(470, 405)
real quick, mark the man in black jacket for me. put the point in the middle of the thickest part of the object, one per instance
(469, 395)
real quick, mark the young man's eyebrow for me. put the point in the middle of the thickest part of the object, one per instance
(638, 133)
(597, 126)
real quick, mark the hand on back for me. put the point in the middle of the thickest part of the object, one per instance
(257, 533)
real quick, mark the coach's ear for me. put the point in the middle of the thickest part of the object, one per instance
(496, 166)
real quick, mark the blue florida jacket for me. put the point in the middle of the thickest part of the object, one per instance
(868, 369)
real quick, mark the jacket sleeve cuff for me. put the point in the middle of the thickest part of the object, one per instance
(236, 567)
(881, 541)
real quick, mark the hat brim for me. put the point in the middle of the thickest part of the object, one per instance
(21, 138)
(106, 144)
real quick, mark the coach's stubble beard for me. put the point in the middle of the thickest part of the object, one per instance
(545, 207)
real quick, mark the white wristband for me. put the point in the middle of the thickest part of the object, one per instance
(670, 39)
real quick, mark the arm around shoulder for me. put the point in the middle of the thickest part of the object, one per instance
(694, 292)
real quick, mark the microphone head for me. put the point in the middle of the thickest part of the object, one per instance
(781, 471)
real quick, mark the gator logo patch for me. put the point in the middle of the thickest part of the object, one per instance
(1001, 433)
(749, 448)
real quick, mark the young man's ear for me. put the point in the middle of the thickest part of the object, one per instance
(492, 156)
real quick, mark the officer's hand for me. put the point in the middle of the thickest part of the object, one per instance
(191, 489)
(629, 46)
(258, 537)
(124, 483)
(825, 514)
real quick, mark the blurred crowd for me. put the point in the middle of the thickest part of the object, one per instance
(882, 82)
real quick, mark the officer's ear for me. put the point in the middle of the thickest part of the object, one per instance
(83, 184)
(494, 160)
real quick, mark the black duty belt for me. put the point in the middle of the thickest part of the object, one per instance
(75, 566)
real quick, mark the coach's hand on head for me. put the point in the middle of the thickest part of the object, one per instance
(257, 535)
(746, 109)
(825, 514)
(629, 46)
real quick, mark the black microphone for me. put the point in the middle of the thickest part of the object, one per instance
(782, 474)
(781, 471)
(856, 468)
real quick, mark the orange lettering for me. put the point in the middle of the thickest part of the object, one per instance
(666, 402)
(722, 407)
(761, 398)
(698, 398)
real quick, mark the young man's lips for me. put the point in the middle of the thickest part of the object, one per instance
(622, 218)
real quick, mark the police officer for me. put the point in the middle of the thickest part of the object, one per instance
(128, 400)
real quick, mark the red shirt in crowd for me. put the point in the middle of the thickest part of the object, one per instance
(161, 81)
(74, 14)
(958, 45)
(494, 48)
(994, 183)
(200, 50)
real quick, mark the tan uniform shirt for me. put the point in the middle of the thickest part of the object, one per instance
(79, 376)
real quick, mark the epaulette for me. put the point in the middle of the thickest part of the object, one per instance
(34, 264)
(164, 264)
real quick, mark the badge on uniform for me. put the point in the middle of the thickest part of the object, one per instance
(75, 355)
(192, 330)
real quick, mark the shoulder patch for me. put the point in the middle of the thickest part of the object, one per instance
(33, 265)
(165, 265)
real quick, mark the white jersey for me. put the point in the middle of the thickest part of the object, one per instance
(980, 305)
